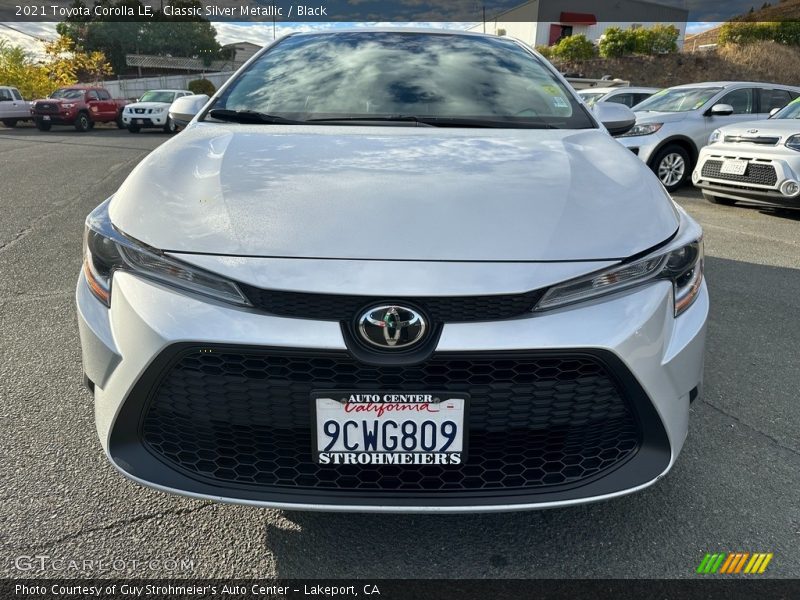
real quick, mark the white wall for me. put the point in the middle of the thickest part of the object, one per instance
(134, 88)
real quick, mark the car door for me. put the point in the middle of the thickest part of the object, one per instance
(7, 108)
(108, 107)
(744, 103)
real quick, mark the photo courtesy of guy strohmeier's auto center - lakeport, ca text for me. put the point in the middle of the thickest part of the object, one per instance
(399, 299)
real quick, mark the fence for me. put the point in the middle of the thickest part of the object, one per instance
(134, 88)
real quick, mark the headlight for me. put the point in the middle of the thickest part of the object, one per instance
(68, 105)
(793, 142)
(716, 136)
(681, 263)
(643, 129)
(157, 111)
(106, 250)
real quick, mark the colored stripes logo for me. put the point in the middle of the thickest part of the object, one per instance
(734, 563)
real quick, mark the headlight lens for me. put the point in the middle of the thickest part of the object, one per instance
(106, 250)
(716, 136)
(68, 105)
(158, 110)
(793, 142)
(682, 265)
(643, 129)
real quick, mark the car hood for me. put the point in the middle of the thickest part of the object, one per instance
(148, 105)
(767, 127)
(397, 193)
(646, 116)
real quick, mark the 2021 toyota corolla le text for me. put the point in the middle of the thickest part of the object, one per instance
(393, 271)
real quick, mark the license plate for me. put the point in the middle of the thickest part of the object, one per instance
(45, 118)
(140, 121)
(389, 428)
(733, 167)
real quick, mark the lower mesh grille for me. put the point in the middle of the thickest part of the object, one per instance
(760, 174)
(243, 419)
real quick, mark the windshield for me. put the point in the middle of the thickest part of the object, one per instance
(157, 96)
(591, 98)
(678, 99)
(390, 74)
(69, 94)
(790, 111)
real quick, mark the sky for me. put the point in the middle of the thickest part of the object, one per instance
(258, 33)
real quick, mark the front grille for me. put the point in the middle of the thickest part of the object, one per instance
(242, 418)
(47, 108)
(743, 139)
(757, 173)
(441, 309)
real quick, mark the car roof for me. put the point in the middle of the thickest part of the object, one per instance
(165, 90)
(608, 90)
(424, 30)
(727, 84)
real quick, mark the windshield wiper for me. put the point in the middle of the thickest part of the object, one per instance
(439, 121)
(250, 116)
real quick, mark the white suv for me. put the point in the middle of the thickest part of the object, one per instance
(674, 124)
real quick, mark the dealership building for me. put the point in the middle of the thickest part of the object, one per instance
(545, 22)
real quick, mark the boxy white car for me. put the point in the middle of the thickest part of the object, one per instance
(756, 161)
(629, 96)
(13, 108)
(152, 111)
(674, 124)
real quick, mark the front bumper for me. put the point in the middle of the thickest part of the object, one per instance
(145, 120)
(644, 146)
(655, 357)
(780, 168)
(56, 118)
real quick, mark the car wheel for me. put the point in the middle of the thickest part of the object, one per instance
(43, 125)
(134, 128)
(170, 127)
(718, 200)
(672, 166)
(119, 121)
(10, 122)
(82, 122)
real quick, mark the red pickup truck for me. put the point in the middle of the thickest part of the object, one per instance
(78, 105)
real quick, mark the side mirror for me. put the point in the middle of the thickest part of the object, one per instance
(184, 109)
(721, 110)
(774, 112)
(617, 118)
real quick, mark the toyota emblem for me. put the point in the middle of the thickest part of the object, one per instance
(391, 326)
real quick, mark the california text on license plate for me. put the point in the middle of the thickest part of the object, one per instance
(389, 428)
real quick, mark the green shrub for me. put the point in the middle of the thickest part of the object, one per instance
(202, 86)
(658, 39)
(574, 47)
(546, 51)
(748, 32)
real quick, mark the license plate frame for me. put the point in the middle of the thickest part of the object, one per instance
(733, 166)
(461, 400)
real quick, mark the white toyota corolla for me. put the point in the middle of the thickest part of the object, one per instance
(393, 270)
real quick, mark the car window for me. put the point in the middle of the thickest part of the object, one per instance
(392, 74)
(790, 111)
(774, 99)
(15, 93)
(91, 95)
(5, 95)
(103, 95)
(626, 99)
(678, 99)
(591, 98)
(741, 100)
(68, 94)
(641, 97)
(157, 96)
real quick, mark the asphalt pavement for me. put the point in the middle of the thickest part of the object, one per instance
(735, 487)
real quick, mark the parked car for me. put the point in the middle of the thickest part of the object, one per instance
(152, 111)
(391, 270)
(13, 108)
(755, 161)
(629, 96)
(674, 124)
(78, 105)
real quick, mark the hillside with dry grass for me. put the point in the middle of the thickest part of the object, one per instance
(762, 61)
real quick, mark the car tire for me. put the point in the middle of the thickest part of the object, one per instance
(719, 200)
(82, 122)
(43, 125)
(170, 126)
(134, 128)
(10, 122)
(120, 123)
(672, 166)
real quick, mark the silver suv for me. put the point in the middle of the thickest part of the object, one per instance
(674, 124)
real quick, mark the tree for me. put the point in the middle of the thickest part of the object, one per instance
(574, 47)
(161, 35)
(64, 65)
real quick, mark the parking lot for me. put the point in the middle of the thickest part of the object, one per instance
(735, 487)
